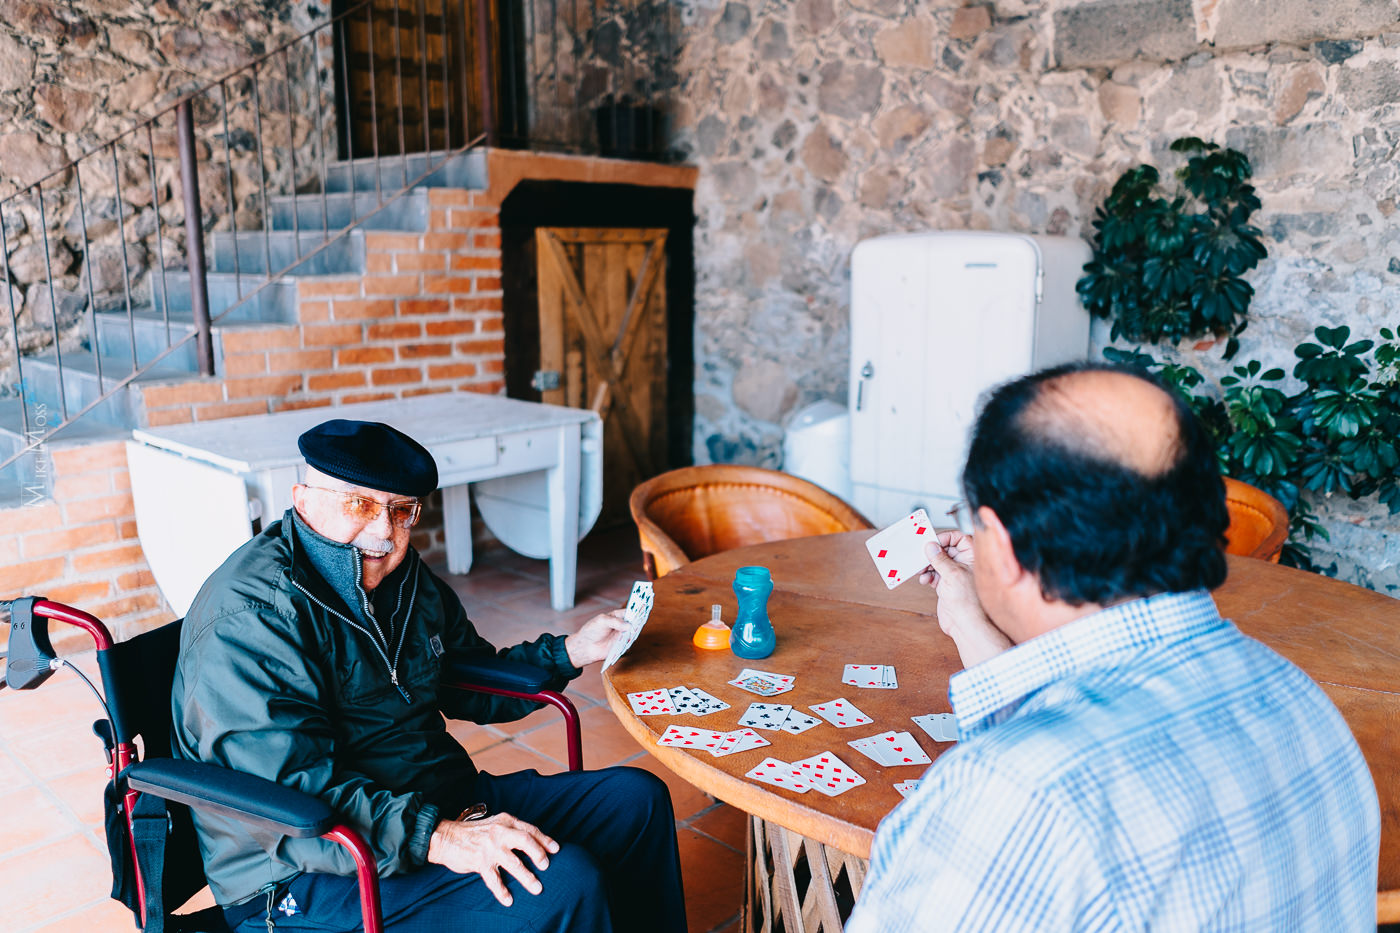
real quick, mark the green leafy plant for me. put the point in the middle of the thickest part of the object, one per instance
(1169, 265)
(1338, 433)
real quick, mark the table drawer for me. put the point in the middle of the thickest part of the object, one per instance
(456, 456)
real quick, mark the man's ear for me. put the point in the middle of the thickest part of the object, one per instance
(994, 549)
(298, 498)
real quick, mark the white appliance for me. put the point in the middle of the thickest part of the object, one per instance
(936, 320)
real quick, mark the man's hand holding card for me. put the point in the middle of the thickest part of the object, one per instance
(898, 551)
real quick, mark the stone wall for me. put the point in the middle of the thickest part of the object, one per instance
(819, 123)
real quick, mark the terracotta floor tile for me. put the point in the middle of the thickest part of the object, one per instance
(52, 880)
(12, 775)
(686, 799)
(31, 819)
(57, 752)
(508, 757)
(540, 718)
(605, 742)
(472, 737)
(725, 823)
(714, 880)
(106, 916)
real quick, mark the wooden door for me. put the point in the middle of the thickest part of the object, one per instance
(602, 294)
(402, 78)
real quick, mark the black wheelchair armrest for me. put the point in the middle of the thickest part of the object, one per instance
(474, 670)
(244, 797)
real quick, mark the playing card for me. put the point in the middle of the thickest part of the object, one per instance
(651, 703)
(705, 704)
(878, 676)
(765, 716)
(778, 774)
(901, 748)
(798, 722)
(638, 609)
(898, 551)
(841, 713)
(689, 737)
(870, 747)
(783, 680)
(941, 727)
(828, 774)
(760, 685)
(740, 740)
(684, 699)
(906, 788)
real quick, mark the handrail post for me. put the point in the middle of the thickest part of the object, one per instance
(194, 236)
(483, 55)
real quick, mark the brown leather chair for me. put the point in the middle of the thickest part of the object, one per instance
(693, 512)
(1258, 522)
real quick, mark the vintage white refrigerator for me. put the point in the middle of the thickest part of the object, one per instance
(936, 320)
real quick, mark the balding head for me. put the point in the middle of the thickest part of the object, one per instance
(1105, 481)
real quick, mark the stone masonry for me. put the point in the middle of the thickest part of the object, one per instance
(818, 123)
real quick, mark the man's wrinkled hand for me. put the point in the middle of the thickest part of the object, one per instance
(960, 612)
(595, 639)
(490, 846)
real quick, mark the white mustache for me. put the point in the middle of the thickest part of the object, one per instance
(367, 542)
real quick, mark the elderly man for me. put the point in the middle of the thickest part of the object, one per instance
(312, 657)
(1127, 759)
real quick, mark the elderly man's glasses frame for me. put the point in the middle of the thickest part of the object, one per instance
(365, 510)
(962, 517)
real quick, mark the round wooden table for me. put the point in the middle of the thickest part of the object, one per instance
(830, 608)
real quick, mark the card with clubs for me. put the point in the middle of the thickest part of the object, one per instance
(906, 788)
(878, 676)
(690, 737)
(705, 703)
(778, 774)
(798, 722)
(684, 699)
(828, 774)
(841, 713)
(638, 609)
(765, 716)
(740, 740)
(651, 703)
(898, 551)
(941, 727)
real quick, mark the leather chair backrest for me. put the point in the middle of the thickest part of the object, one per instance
(1258, 522)
(693, 512)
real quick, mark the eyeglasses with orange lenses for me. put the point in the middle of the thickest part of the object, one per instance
(363, 510)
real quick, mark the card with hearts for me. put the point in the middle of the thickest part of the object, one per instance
(765, 716)
(906, 788)
(689, 737)
(828, 774)
(901, 748)
(798, 722)
(778, 774)
(651, 703)
(740, 740)
(877, 676)
(898, 551)
(841, 713)
(941, 727)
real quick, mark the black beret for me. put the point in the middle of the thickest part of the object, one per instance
(372, 455)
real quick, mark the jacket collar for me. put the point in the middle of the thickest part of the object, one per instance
(330, 568)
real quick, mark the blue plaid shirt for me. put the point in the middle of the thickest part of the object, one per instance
(1145, 767)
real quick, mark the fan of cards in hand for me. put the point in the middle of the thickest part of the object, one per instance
(638, 609)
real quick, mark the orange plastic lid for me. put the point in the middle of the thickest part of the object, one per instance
(712, 636)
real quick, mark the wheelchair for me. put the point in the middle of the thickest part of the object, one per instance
(156, 865)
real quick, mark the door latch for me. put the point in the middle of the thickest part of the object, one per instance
(866, 372)
(545, 380)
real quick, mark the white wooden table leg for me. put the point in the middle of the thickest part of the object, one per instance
(563, 519)
(457, 527)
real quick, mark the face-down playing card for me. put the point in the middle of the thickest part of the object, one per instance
(898, 551)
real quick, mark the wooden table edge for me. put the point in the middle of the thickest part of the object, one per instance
(787, 812)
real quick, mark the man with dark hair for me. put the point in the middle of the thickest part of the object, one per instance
(312, 657)
(1128, 760)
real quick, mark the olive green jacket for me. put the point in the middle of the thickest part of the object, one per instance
(317, 687)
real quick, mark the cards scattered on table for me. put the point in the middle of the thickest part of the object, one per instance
(878, 676)
(841, 713)
(652, 703)
(898, 551)
(765, 716)
(638, 609)
(798, 722)
(941, 727)
(779, 774)
(891, 748)
(763, 683)
(906, 788)
(696, 701)
(717, 744)
(828, 774)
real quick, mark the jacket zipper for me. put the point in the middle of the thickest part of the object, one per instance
(389, 665)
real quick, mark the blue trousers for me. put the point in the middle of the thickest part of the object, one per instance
(617, 868)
